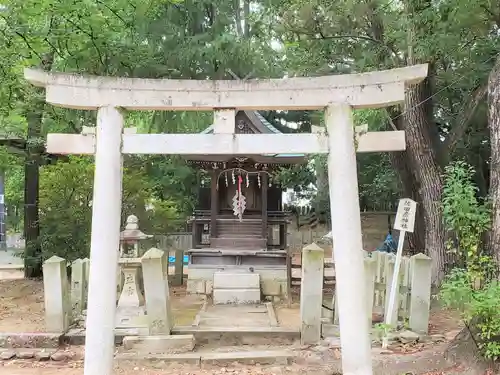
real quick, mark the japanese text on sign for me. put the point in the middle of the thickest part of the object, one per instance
(405, 217)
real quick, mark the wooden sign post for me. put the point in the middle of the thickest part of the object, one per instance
(404, 222)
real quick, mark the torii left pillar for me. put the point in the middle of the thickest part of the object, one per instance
(105, 243)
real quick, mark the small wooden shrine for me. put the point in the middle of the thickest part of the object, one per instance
(239, 222)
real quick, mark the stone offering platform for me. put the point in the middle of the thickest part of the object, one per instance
(220, 334)
(232, 316)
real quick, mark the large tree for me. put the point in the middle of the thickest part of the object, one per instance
(453, 37)
(153, 39)
(494, 126)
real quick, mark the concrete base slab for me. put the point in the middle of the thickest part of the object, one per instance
(188, 358)
(235, 336)
(236, 296)
(76, 336)
(171, 344)
(246, 357)
(30, 340)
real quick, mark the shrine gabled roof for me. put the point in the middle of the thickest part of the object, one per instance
(264, 126)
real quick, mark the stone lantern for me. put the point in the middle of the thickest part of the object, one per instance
(130, 312)
(131, 237)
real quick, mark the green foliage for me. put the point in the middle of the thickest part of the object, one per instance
(14, 197)
(202, 40)
(299, 178)
(479, 307)
(382, 330)
(465, 216)
(66, 206)
(474, 290)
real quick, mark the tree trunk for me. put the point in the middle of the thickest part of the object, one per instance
(34, 148)
(401, 163)
(237, 17)
(494, 125)
(246, 14)
(419, 143)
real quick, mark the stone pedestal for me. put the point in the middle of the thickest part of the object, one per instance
(236, 288)
(130, 312)
(155, 271)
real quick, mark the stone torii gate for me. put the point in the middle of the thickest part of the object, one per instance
(337, 95)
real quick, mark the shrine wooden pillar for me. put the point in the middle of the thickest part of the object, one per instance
(214, 202)
(264, 183)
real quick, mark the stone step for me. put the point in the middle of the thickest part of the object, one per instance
(236, 280)
(238, 227)
(250, 357)
(162, 344)
(240, 243)
(239, 235)
(231, 229)
(234, 336)
(230, 219)
(236, 296)
(236, 232)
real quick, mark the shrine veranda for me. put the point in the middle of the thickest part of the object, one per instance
(337, 95)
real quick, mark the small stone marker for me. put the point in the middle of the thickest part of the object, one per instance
(155, 275)
(311, 294)
(420, 298)
(55, 284)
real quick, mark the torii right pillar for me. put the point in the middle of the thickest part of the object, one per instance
(347, 243)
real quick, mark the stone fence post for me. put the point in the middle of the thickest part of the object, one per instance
(86, 262)
(420, 298)
(370, 274)
(178, 278)
(155, 276)
(389, 273)
(78, 286)
(56, 295)
(311, 294)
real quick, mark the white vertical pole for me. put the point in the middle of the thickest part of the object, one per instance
(105, 243)
(391, 309)
(348, 246)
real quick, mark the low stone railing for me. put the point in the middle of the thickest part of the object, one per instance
(66, 299)
(413, 295)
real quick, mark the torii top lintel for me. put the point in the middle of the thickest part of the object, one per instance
(364, 90)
